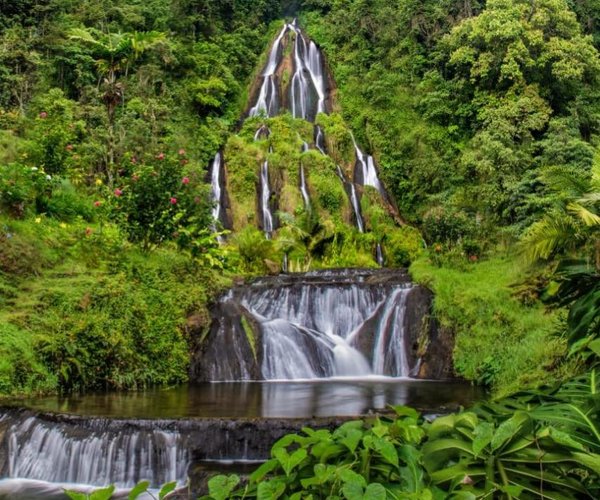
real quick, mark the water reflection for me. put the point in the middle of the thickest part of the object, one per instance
(267, 399)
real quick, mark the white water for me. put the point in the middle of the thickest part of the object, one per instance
(304, 188)
(369, 175)
(379, 255)
(321, 329)
(320, 139)
(216, 191)
(59, 453)
(267, 102)
(267, 216)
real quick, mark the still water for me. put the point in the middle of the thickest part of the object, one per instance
(300, 399)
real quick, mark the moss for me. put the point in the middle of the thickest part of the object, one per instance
(250, 335)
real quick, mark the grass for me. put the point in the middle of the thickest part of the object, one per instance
(500, 341)
(89, 311)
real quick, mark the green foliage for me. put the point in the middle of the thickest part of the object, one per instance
(359, 460)
(158, 198)
(530, 445)
(500, 342)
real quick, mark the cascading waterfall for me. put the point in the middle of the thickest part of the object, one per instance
(300, 88)
(267, 215)
(216, 191)
(267, 101)
(57, 452)
(379, 257)
(351, 188)
(320, 139)
(366, 173)
(304, 188)
(319, 325)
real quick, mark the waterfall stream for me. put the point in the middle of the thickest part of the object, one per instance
(265, 199)
(318, 325)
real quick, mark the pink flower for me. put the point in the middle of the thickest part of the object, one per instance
(173, 201)
(69, 147)
(473, 258)
(97, 204)
(43, 115)
(118, 192)
(181, 152)
(160, 156)
(185, 180)
(133, 160)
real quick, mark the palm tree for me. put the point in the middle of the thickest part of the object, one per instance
(114, 54)
(570, 230)
(572, 224)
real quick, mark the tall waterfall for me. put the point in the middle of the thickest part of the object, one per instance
(265, 199)
(317, 325)
(267, 101)
(216, 190)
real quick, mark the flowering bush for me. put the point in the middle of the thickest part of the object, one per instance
(158, 199)
(21, 187)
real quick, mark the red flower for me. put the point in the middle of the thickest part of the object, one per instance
(173, 201)
(97, 203)
(473, 258)
(118, 192)
(88, 231)
(69, 147)
(181, 152)
(160, 156)
(43, 115)
(185, 180)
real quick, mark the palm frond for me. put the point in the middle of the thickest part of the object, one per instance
(588, 217)
(545, 237)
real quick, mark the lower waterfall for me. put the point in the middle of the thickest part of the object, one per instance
(323, 324)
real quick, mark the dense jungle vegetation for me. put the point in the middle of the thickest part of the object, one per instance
(482, 117)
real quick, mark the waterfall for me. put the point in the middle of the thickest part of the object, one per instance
(216, 191)
(56, 452)
(367, 175)
(389, 344)
(379, 257)
(356, 206)
(320, 139)
(317, 325)
(304, 188)
(265, 199)
(300, 88)
(316, 69)
(351, 188)
(267, 101)
(262, 133)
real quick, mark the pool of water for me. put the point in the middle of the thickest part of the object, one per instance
(300, 399)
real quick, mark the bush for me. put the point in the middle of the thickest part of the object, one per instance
(21, 187)
(158, 198)
(20, 370)
(403, 246)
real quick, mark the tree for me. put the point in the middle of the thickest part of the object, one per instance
(115, 54)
